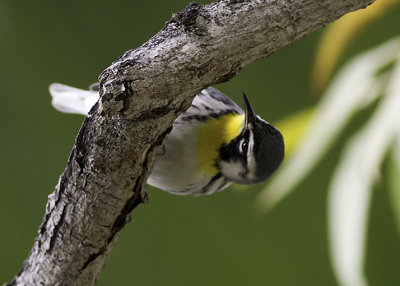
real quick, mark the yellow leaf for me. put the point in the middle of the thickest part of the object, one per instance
(338, 36)
(293, 127)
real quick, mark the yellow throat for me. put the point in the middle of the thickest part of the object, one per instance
(212, 135)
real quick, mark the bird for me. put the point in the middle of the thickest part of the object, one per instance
(211, 144)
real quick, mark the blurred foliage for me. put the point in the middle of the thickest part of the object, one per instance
(371, 74)
(339, 35)
(173, 240)
(394, 182)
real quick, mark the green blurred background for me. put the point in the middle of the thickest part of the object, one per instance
(172, 240)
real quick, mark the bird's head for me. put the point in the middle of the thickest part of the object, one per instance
(253, 155)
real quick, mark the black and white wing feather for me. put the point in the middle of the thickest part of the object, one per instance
(210, 102)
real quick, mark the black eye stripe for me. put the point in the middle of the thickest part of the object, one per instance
(243, 141)
(246, 135)
(232, 150)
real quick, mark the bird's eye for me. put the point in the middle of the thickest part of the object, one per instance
(244, 146)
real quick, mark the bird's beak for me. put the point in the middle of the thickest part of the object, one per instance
(250, 116)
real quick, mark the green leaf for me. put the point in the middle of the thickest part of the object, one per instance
(394, 181)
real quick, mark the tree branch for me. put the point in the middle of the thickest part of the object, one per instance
(141, 95)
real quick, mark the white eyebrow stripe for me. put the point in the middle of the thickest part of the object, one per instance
(240, 145)
(251, 162)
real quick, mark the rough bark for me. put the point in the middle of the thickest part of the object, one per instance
(141, 95)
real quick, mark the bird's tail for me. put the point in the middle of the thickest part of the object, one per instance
(72, 100)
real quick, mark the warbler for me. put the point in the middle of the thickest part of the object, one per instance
(211, 144)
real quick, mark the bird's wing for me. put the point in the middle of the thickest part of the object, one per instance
(210, 102)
